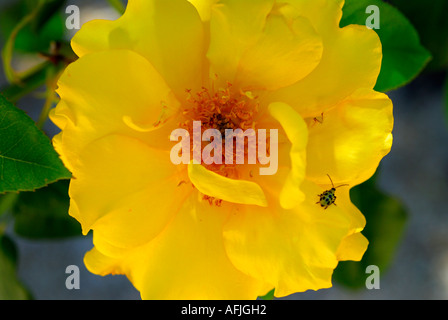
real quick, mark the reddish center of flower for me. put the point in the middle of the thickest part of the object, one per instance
(221, 109)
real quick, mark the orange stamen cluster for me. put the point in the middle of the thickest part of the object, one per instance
(220, 109)
(212, 200)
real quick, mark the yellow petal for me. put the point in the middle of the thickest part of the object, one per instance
(351, 140)
(285, 53)
(125, 191)
(297, 133)
(186, 261)
(351, 60)
(220, 187)
(323, 14)
(100, 264)
(204, 8)
(352, 247)
(97, 93)
(255, 47)
(169, 34)
(293, 250)
(357, 219)
(234, 26)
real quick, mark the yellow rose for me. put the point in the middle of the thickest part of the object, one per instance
(222, 231)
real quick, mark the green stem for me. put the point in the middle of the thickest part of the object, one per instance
(117, 5)
(29, 83)
(7, 53)
(446, 97)
(7, 201)
(50, 96)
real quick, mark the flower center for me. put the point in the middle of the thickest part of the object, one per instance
(218, 131)
(222, 110)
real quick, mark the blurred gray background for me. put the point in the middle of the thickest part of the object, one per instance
(416, 172)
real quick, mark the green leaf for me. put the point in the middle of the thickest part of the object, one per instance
(403, 55)
(44, 213)
(50, 9)
(28, 161)
(430, 20)
(10, 286)
(268, 296)
(386, 219)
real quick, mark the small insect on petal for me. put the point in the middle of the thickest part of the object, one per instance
(318, 119)
(328, 197)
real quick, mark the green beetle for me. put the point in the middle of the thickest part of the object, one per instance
(328, 197)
